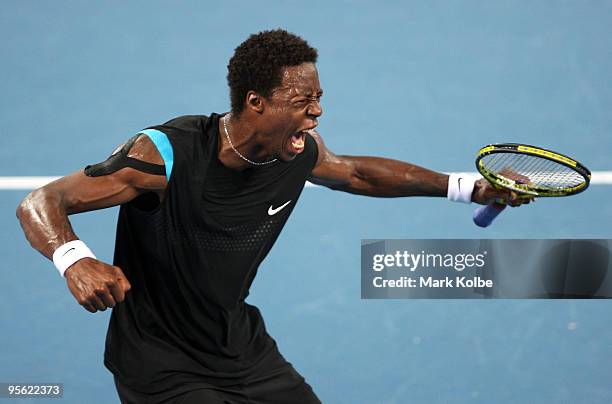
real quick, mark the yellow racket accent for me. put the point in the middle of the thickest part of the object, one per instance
(545, 153)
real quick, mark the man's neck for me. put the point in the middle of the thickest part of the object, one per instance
(243, 136)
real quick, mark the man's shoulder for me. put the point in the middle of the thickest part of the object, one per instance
(188, 122)
(185, 128)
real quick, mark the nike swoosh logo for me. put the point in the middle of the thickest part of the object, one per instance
(272, 211)
(68, 251)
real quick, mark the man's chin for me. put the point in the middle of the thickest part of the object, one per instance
(287, 157)
(290, 155)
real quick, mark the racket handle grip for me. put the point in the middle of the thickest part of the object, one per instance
(484, 215)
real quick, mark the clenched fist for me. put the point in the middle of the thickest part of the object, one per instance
(96, 285)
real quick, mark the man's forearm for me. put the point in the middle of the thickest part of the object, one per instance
(44, 221)
(387, 178)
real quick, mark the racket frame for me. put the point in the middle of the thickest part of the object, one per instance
(524, 149)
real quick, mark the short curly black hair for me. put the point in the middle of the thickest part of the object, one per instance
(257, 63)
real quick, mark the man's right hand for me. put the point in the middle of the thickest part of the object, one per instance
(96, 285)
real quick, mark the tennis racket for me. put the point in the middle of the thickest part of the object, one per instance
(530, 171)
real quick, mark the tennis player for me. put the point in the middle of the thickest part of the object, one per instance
(203, 199)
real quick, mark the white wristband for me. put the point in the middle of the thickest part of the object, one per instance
(460, 187)
(70, 253)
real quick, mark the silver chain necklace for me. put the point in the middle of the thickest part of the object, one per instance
(237, 152)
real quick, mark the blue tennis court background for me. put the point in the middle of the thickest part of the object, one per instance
(427, 82)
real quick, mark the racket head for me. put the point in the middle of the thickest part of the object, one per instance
(548, 173)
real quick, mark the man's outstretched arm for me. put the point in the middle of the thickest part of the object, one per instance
(43, 215)
(382, 177)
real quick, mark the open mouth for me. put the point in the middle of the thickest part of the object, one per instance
(297, 142)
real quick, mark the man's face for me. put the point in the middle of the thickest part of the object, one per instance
(292, 109)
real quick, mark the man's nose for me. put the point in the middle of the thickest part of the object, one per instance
(315, 109)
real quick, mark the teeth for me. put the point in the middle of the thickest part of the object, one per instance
(298, 144)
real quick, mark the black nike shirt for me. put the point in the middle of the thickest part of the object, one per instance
(191, 261)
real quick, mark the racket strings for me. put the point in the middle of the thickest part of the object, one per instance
(540, 172)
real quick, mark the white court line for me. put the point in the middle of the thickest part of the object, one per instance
(8, 183)
(21, 182)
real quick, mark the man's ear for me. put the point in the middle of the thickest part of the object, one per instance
(255, 102)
